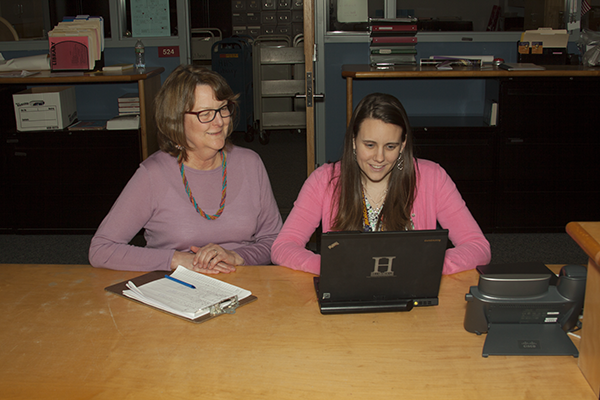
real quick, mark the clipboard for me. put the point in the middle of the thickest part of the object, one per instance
(154, 275)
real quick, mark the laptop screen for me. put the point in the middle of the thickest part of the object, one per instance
(381, 266)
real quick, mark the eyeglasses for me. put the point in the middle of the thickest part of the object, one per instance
(206, 116)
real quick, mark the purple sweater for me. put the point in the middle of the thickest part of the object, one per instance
(155, 199)
(437, 200)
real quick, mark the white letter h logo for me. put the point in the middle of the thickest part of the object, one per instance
(378, 263)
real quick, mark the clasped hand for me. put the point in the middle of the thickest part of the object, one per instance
(210, 259)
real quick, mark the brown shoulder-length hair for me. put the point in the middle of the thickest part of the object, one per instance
(395, 214)
(177, 96)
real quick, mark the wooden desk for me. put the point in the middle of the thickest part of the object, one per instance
(587, 235)
(148, 85)
(364, 71)
(63, 337)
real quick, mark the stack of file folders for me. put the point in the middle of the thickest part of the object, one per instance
(77, 44)
(393, 41)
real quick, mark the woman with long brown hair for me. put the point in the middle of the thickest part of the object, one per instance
(379, 185)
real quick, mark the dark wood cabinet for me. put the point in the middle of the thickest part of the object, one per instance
(66, 181)
(548, 142)
(467, 153)
(7, 116)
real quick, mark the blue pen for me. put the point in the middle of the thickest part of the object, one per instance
(178, 281)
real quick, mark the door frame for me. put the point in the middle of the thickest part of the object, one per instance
(309, 49)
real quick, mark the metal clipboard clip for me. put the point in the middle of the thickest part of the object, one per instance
(227, 306)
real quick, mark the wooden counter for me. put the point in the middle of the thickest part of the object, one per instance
(63, 337)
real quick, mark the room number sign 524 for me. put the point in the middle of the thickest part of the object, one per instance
(168, 51)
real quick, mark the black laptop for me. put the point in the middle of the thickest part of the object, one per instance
(380, 271)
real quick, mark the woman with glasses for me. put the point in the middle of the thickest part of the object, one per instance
(378, 185)
(203, 203)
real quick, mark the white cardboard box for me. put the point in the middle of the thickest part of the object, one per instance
(45, 108)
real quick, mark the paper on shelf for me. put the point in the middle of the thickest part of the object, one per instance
(17, 74)
(117, 68)
(483, 59)
(36, 63)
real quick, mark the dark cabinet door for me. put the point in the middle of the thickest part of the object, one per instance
(548, 150)
(467, 154)
(7, 116)
(556, 110)
(61, 180)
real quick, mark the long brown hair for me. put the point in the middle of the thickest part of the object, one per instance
(395, 214)
(177, 96)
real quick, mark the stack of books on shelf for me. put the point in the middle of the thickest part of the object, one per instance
(393, 41)
(129, 104)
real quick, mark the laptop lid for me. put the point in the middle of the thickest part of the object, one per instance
(380, 271)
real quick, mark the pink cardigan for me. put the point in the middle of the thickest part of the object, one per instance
(437, 200)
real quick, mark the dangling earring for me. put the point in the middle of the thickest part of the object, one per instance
(400, 165)
(179, 147)
(354, 154)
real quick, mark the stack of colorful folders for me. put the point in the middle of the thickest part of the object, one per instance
(393, 41)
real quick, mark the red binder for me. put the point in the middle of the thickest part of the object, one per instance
(394, 40)
(394, 28)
